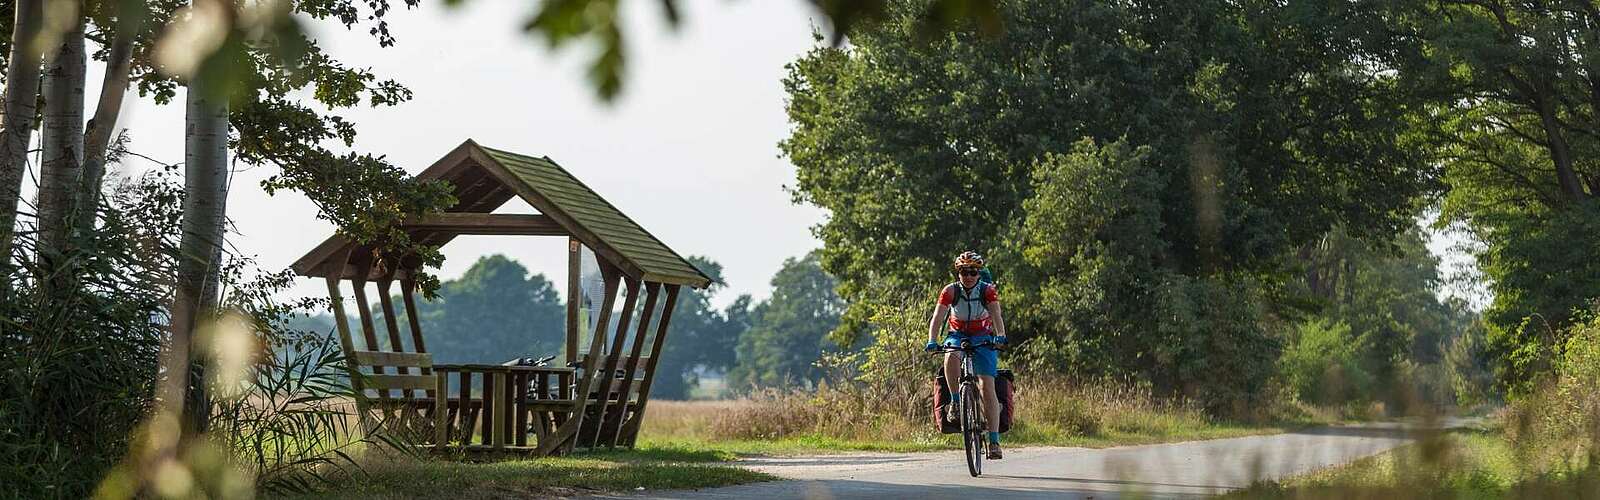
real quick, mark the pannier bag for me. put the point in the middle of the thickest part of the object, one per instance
(1004, 381)
(941, 397)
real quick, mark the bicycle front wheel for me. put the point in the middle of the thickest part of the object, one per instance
(972, 428)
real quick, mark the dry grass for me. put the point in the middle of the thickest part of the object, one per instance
(1049, 412)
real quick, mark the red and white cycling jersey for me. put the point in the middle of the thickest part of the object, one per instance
(969, 308)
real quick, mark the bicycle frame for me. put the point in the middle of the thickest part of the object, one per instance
(973, 418)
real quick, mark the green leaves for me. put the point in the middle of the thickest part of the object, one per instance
(1114, 159)
(788, 333)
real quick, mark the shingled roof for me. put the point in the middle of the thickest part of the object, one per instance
(485, 178)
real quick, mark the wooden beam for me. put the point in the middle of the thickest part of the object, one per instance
(393, 358)
(609, 374)
(441, 410)
(632, 430)
(488, 224)
(609, 437)
(392, 325)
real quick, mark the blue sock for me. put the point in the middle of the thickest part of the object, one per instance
(994, 437)
(955, 397)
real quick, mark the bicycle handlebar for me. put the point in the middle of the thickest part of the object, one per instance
(967, 347)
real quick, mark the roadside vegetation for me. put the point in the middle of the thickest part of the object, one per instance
(1545, 445)
(640, 471)
(832, 420)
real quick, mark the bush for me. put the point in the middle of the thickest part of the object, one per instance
(1561, 423)
(78, 357)
(1322, 364)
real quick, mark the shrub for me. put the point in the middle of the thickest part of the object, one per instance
(1562, 422)
(1322, 364)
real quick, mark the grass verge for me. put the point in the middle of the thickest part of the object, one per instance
(651, 467)
(1463, 464)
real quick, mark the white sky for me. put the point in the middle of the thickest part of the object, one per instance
(689, 150)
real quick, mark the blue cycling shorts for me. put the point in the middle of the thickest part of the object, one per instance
(986, 361)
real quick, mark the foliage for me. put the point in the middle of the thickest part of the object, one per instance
(1519, 115)
(1184, 148)
(700, 338)
(77, 372)
(494, 312)
(1560, 424)
(788, 332)
(599, 22)
(1532, 303)
(1092, 230)
(1464, 464)
(1467, 363)
(1377, 329)
(1323, 365)
(291, 426)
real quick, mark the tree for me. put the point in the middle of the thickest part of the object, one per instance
(256, 59)
(1257, 127)
(700, 338)
(16, 122)
(1520, 100)
(789, 332)
(1374, 312)
(496, 311)
(62, 142)
(205, 208)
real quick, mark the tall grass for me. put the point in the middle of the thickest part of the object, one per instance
(78, 349)
(1049, 411)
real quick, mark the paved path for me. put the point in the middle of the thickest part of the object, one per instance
(1194, 469)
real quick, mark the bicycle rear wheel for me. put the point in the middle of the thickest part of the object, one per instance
(972, 429)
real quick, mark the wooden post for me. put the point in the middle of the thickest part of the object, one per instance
(613, 427)
(440, 412)
(491, 409)
(574, 297)
(393, 327)
(609, 373)
(408, 287)
(510, 405)
(368, 329)
(464, 402)
(632, 430)
(347, 346)
(519, 400)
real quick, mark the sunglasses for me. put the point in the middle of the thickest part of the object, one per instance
(969, 272)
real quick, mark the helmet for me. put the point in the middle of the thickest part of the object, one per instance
(968, 259)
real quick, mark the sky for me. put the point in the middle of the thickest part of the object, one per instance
(689, 150)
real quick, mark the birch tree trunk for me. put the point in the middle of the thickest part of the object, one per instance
(97, 140)
(200, 250)
(16, 125)
(61, 139)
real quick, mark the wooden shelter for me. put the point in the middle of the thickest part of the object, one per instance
(597, 399)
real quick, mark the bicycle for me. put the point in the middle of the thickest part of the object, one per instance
(973, 424)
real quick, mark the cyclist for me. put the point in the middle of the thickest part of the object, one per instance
(972, 308)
